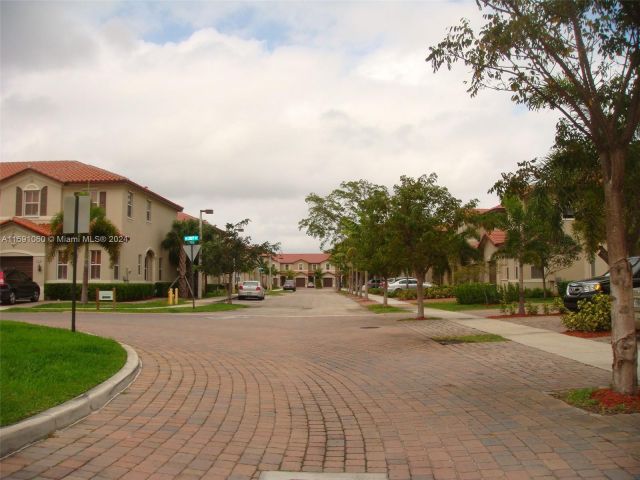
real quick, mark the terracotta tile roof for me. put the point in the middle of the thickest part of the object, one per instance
(72, 171)
(39, 228)
(305, 257)
(185, 216)
(497, 237)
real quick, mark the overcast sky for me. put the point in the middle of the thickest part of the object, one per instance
(248, 107)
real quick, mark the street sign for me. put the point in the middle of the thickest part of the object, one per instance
(191, 251)
(191, 238)
(69, 211)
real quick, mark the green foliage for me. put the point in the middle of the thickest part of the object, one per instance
(546, 309)
(480, 338)
(385, 309)
(125, 292)
(161, 289)
(531, 308)
(43, 367)
(558, 305)
(439, 291)
(593, 315)
(483, 293)
(561, 286)
(512, 308)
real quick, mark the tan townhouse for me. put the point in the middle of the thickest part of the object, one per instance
(32, 193)
(304, 266)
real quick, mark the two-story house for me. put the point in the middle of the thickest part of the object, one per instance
(32, 193)
(304, 267)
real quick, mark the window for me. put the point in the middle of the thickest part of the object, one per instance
(98, 199)
(130, 205)
(96, 260)
(159, 268)
(139, 264)
(116, 268)
(299, 266)
(507, 273)
(536, 272)
(31, 203)
(63, 260)
(314, 266)
(328, 266)
(517, 272)
(286, 266)
(148, 210)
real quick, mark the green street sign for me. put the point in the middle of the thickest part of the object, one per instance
(191, 238)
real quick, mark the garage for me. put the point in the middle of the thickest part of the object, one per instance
(327, 282)
(23, 264)
(301, 282)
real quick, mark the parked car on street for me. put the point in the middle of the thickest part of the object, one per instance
(311, 285)
(585, 289)
(373, 283)
(250, 289)
(406, 284)
(289, 285)
(17, 285)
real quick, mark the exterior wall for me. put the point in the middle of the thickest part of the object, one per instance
(145, 236)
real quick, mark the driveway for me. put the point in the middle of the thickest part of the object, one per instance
(312, 382)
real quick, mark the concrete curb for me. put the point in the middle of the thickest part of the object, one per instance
(14, 437)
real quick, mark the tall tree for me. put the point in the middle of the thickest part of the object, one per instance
(581, 58)
(425, 219)
(100, 229)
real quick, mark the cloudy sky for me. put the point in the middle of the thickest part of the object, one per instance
(248, 107)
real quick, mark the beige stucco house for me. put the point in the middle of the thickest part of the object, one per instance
(32, 193)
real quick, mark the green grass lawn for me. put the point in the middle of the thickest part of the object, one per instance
(275, 293)
(41, 367)
(153, 306)
(385, 309)
(456, 307)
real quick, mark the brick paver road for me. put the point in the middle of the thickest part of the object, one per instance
(302, 383)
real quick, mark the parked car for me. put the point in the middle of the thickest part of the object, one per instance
(16, 285)
(373, 283)
(250, 289)
(311, 285)
(405, 284)
(289, 285)
(585, 289)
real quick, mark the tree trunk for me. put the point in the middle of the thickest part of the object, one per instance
(544, 283)
(366, 285)
(182, 272)
(385, 292)
(623, 332)
(84, 295)
(420, 294)
(230, 289)
(521, 288)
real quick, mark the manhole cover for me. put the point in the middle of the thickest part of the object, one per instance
(321, 476)
(364, 328)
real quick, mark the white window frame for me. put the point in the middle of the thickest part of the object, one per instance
(300, 267)
(31, 190)
(116, 268)
(148, 210)
(130, 204)
(62, 265)
(328, 266)
(95, 266)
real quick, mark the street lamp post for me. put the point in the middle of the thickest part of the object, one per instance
(208, 211)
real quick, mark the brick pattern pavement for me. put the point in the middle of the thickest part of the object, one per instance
(230, 396)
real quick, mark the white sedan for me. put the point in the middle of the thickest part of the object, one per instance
(250, 289)
(406, 284)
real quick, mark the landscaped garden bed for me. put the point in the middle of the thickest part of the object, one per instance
(601, 400)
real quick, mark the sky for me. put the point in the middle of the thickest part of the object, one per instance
(246, 108)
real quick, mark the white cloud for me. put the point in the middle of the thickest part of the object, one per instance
(247, 125)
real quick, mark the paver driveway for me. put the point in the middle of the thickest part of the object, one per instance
(302, 383)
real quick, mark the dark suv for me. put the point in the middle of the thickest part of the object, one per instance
(585, 289)
(15, 285)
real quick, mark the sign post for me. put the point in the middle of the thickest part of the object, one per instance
(75, 220)
(192, 250)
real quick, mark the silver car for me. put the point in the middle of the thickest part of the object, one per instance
(250, 289)
(406, 284)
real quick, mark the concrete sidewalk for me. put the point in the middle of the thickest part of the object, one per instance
(588, 352)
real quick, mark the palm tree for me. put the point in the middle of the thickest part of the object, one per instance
(100, 228)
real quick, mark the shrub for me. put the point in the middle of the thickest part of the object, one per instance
(124, 291)
(512, 308)
(546, 309)
(592, 316)
(509, 292)
(376, 291)
(561, 285)
(439, 291)
(531, 308)
(407, 294)
(558, 305)
(469, 293)
(161, 289)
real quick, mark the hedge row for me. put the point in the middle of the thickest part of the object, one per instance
(468, 293)
(124, 291)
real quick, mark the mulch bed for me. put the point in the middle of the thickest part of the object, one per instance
(615, 402)
(587, 334)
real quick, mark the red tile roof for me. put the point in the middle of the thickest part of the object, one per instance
(72, 171)
(39, 228)
(185, 216)
(305, 257)
(497, 237)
